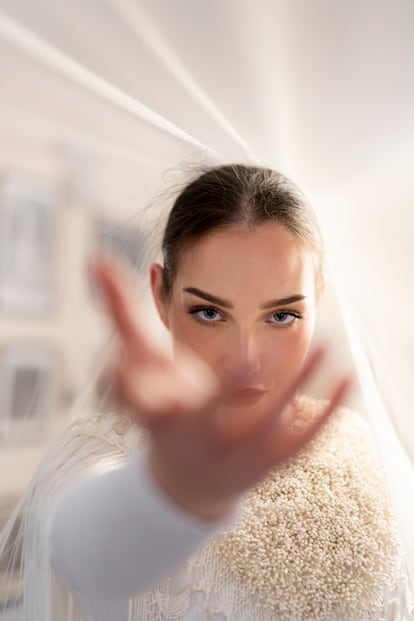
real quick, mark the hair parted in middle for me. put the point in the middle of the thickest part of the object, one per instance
(232, 195)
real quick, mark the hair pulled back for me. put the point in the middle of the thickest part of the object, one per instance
(237, 195)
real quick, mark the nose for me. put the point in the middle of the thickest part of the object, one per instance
(246, 351)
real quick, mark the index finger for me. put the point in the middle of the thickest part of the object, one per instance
(113, 280)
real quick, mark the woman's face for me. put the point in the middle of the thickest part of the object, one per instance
(247, 295)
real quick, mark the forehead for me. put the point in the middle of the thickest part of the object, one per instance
(267, 257)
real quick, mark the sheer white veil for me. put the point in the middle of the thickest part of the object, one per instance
(322, 91)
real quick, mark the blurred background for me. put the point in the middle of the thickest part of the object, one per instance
(105, 104)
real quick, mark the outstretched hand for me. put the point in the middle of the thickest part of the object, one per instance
(202, 460)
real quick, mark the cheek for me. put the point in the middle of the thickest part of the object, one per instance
(285, 356)
(200, 339)
(292, 353)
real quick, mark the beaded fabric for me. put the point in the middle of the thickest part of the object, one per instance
(316, 540)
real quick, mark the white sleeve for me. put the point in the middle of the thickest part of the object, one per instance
(117, 534)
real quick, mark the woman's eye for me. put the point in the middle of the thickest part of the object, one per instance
(206, 314)
(285, 318)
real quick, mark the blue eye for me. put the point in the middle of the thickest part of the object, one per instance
(205, 314)
(284, 318)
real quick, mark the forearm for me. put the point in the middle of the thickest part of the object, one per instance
(117, 534)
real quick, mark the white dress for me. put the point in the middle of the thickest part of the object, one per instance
(315, 541)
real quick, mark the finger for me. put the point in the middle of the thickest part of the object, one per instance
(158, 396)
(199, 378)
(286, 444)
(113, 281)
(235, 429)
(145, 401)
(221, 394)
(306, 373)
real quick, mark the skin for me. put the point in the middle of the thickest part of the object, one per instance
(246, 268)
(209, 443)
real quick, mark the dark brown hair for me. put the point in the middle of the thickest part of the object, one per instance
(236, 195)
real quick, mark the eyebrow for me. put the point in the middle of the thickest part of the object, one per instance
(225, 304)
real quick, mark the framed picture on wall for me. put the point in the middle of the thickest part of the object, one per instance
(28, 219)
(28, 381)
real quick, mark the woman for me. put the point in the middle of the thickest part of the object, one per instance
(245, 499)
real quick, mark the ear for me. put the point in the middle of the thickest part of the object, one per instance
(158, 294)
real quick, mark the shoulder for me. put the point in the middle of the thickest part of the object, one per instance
(346, 431)
(115, 429)
(89, 445)
(307, 409)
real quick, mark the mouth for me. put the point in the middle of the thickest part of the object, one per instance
(246, 397)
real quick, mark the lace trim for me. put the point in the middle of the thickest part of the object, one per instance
(113, 428)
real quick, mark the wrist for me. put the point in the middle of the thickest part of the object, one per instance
(202, 508)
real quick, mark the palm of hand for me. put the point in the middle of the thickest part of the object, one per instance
(201, 460)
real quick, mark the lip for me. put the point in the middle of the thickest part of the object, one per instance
(247, 396)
